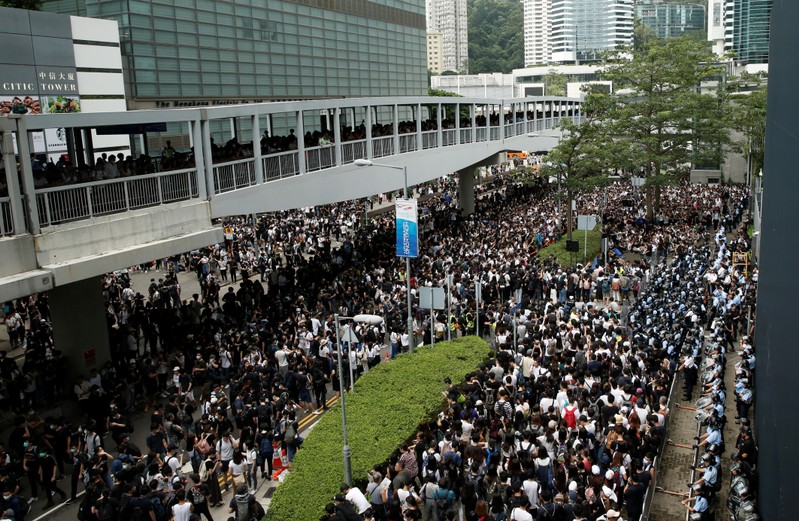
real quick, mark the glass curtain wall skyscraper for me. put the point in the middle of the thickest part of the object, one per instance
(206, 52)
(666, 20)
(573, 31)
(751, 27)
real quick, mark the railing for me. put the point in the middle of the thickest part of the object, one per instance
(6, 219)
(429, 139)
(509, 130)
(280, 166)
(383, 146)
(481, 134)
(317, 158)
(234, 175)
(466, 135)
(493, 134)
(77, 202)
(448, 137)
(407, 143)
(352, 150)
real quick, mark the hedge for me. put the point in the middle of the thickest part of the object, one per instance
(389, 403)
(565, 258)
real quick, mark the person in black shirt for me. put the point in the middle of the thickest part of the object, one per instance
(634, 494)
(48, 476)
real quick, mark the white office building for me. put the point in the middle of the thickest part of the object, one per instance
(575, 31)
(537, 28)
(449, 19)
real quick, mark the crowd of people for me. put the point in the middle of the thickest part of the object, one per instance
(242, 360)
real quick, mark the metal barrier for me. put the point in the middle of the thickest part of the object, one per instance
(352, 150)
(466, 135)
(76, 202)
(448, 137)
(429, 139)
(650, 491)
(279, 166)
(407, 143)
(317, 158)
(234, 175)
(383, 146)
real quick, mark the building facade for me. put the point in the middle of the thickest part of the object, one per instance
(665, 20)
(537, 28)
(55, 64)
(575, 31)
(449, 19)
(740, 28)
(751, 28)
(435, 53)
(207, 52)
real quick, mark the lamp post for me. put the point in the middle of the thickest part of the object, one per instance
(368, 319)
(369, 162)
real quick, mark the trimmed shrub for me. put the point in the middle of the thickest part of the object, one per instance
(389, 403)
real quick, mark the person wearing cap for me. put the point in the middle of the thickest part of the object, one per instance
(708, 472)
(610, 515)
(700, 502)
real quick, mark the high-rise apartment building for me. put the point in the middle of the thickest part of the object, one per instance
(435, 53)
(208, 52)
(449, 18)
(574, 31)
(740, 28)
(666, 20)
(537, 28)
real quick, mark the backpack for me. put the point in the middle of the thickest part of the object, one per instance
(265, 446)
(183, 416)
(243, 508)
(196, 496)
(158, 508)
(204, 471)
(544, 475)
(442, 501)
(290, 433)
(571, 419)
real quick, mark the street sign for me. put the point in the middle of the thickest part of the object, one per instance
(348, 335)
(586, 222)
(431, 298)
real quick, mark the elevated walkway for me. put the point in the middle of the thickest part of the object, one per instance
(57, 235)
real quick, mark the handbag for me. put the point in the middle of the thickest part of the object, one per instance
(239, 480)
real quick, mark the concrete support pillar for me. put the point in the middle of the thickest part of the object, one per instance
(28, 188)
(301, 143)
(337, 134)
(195, 130)
(80, 330)
(256, 149)
(466, 190)
(12, 182)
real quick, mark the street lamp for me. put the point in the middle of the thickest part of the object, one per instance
(368, 319)
(369, 162)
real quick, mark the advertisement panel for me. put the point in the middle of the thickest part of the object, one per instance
(407, 228)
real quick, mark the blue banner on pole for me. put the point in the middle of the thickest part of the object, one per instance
(407, 228)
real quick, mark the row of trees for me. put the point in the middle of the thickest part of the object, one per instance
(673, 108)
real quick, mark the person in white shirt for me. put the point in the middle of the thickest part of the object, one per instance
(356, 497)
(520, 513)
(182, 511)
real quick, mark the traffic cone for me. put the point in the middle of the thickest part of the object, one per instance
(277, 460)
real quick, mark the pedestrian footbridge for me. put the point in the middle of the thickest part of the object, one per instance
(233, 160)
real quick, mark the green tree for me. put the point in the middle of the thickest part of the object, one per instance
(748, 116)
(661, 119)
(582, 157)
(32, 5)
(496, 36)
(555, 83)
